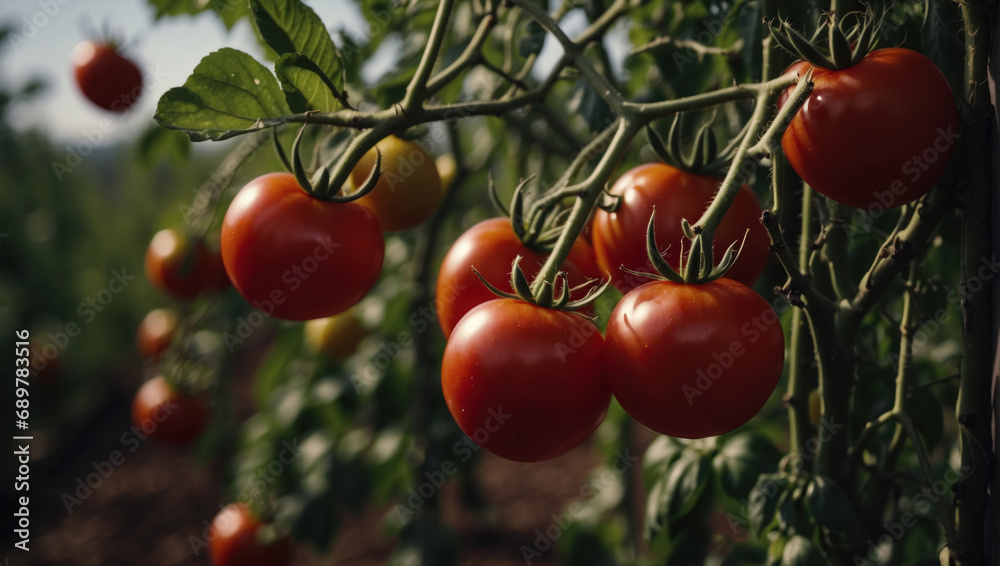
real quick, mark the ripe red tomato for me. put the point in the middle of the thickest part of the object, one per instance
(490, 246)
(234, 540)
(409, 189)
(296, 257)
(523, 381)
(876, 134)
(167, 415)
(620, 236)
(582, 256)
(184, 270)
(692, 361)
(156, 332)
(105, 77)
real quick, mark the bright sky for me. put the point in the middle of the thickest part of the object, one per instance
(172, 46)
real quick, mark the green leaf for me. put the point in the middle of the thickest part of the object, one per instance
(800, 551)
(662, 452)
(229, 11)
(306, 86)
(228, 94)
(686, 482)
(656, 502)
(271, 372)
(742, 459)
(830, 508)
(289, 26)
(166, 8)
(763, 501)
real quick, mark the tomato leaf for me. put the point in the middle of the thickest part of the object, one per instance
(763, 501)
(661, 453)
(831, 509)
(686, 482)
(166, 8)
(229, 11)
(289, 26)
(306, 86)
(742, 459)
(228, 94)
(800, 551)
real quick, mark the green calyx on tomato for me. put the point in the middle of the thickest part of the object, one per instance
(697, 266)
(547, 296)
(704, 157)
(320, 187)
(538, 237)
(848, 39)
(491, 247)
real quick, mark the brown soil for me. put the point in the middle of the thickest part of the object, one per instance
(148, 508)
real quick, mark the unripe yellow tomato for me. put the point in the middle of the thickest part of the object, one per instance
(409, 189)
(446, 170)
(337, 337)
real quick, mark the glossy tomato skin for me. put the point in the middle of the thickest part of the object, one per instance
(692, 361)
(620, 237)
(490, 246)
(876, 134)
(296, 257)
(525, 382)
(156, 332)
(107, 79)
(182, 268)
(409, 189)
(168, 415)
(234, 540)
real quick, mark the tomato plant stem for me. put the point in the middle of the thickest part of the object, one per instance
(415, 91)
(974, 411)
(797, 396)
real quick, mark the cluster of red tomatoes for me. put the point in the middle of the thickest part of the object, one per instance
(291, 256)
(689, 361)
(529, 383)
